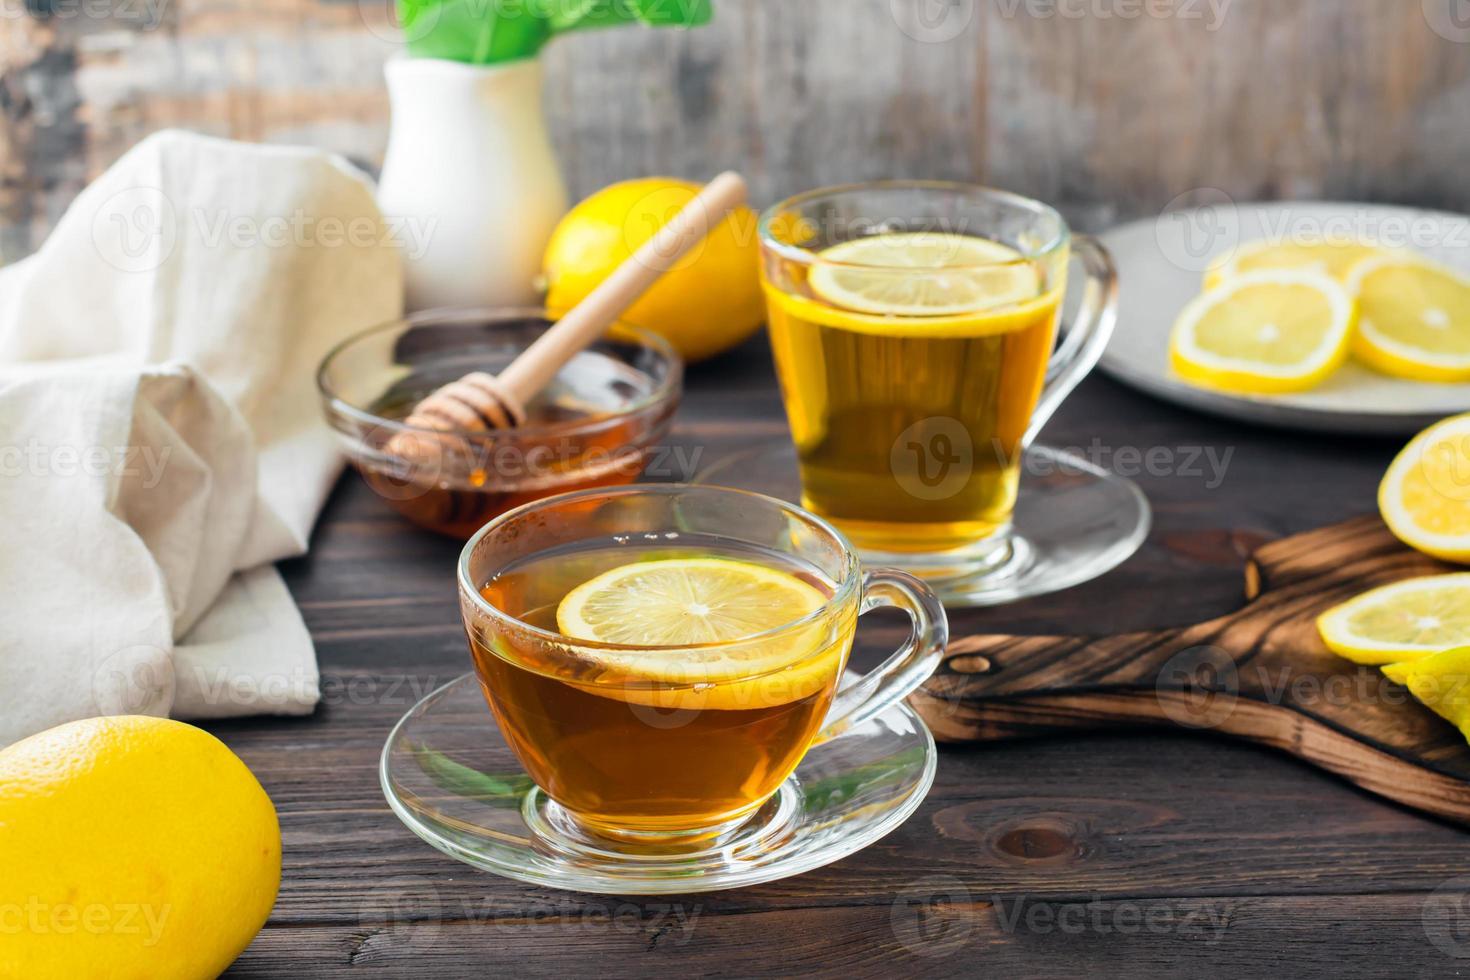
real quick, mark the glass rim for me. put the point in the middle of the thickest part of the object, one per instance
(851, 568)
(664, 389)
(798, 253)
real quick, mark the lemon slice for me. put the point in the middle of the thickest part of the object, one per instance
(686, 604)
(922, 273)
(1331, 258)
(1400, 622)
(1425, 495)
(683, 602)
(1264, 333)
(1441, 681)
(1415, 319)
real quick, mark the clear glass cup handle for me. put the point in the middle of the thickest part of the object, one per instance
(901, 674)
(1085, 340)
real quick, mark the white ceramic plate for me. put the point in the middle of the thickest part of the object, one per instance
(1161, 263)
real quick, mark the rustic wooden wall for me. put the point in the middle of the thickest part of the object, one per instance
(1112, 108)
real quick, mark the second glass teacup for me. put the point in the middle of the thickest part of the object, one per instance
(914, 326)
(661, 657)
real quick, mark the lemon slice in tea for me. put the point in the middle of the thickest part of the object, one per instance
(1415, 319)
(1425, 495)
(1401, 622)
(687, 604)
(922, 273)
(1264, 333)
(1332, 258)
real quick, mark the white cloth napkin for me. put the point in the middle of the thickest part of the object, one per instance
(161, 440)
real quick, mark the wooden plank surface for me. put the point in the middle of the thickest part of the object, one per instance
(1178, 855)
(1139, 854)
(1111, 108)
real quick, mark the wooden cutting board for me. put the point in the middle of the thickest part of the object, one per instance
(1261, 674)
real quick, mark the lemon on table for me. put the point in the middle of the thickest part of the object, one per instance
(709, 302)
(1441, 681)
(1425, 495)
(1335, 258)
(1402, 621)
(1414, 319)
(132, 847)
(1264, 333)
(710, 603)
(922, 274)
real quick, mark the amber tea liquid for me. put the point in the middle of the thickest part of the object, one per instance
(908, 429)
(626, 742)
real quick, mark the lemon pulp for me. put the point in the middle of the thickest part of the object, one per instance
(700, 620)
(1425, 495)
(684, 602)
(922, 274)
(1401, 622)
(1332, 258)
(1264, 332)
(1415, 320)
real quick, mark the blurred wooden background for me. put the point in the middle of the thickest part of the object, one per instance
(1110, 108)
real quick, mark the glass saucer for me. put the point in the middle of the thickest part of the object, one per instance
(1073, 522)
(449, 775)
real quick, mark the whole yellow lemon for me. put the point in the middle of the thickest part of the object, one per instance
(709, 302)
(131, 847)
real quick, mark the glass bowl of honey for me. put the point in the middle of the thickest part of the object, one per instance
(594, 425)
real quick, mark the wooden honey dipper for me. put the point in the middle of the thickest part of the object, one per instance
(481, 402)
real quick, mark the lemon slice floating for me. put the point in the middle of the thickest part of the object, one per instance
(1331, 258)
(1264, 333)
(1425, 495)
(681, 602)
(1401, 622)
(1415, 319)
(922, 273)
(690, 603)
(1441, 681)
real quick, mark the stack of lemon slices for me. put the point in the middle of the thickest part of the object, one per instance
(1418, 630)
(1278, 318)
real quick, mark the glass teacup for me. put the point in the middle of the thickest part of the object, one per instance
(914, 326)
(646, 744)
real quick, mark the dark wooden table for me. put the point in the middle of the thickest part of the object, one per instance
(1155, 853)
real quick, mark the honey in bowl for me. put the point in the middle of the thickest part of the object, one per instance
(594, 425)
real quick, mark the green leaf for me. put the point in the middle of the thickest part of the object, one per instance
(461, 780)
(835, 789)
(484, 32)
(584, 14)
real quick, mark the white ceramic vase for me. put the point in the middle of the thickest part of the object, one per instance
(470, 183)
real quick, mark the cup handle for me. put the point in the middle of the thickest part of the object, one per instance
(901, 674)
(1091, 329)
